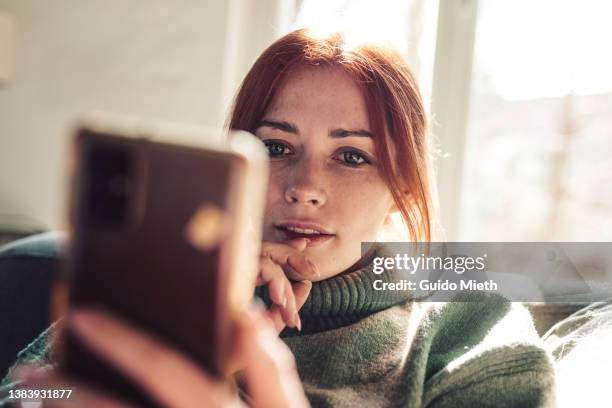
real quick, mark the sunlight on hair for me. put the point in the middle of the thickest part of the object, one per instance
(395, 231)
(409, 26)
(361, 21)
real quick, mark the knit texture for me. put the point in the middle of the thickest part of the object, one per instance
(362, 347)
(365, 348)
(37, 353)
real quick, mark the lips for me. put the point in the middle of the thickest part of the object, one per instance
(315, 233)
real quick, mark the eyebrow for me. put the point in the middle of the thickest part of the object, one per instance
(280, 125)
(291, 128)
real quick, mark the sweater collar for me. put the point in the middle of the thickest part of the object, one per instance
(348, 297)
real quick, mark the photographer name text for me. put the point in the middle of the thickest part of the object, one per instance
(422, 263)
(439, 285)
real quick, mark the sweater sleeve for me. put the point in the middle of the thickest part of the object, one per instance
(37, 353)
(488, 354)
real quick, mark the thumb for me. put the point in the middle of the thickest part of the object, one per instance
(269, 366)
(301, 290)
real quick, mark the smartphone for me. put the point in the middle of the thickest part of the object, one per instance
(165, 235)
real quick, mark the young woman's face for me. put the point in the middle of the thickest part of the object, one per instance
(323, 169)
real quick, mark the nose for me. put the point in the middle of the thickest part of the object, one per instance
(304, 195)
(305, 187)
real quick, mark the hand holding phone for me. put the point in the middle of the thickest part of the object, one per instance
(171, 379)
(167, 237)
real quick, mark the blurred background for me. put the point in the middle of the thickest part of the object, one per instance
(519, 93)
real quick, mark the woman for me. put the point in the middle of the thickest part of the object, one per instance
(346, 133)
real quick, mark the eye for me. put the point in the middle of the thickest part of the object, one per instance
(353, 158)
(276, 148)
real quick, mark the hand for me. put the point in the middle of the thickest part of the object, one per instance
(280, 262)
(170, 378)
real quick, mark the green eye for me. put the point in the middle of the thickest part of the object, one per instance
(275, 148)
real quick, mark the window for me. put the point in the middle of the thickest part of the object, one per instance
(537, 164)
(408, 25)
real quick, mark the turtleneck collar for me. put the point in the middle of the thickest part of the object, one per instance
(345, 298)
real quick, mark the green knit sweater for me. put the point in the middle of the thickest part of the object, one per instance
(365, 348)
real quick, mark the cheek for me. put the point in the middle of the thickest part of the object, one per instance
(372, 215)
(366, 199)
(274, 194)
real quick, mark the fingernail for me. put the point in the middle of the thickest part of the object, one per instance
(284, 302)
(297, 321)
(306, 282)
(315, 270)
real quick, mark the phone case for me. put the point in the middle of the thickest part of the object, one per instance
(166, 237)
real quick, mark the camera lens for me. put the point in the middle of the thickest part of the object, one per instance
(119, 186)
(108, 182)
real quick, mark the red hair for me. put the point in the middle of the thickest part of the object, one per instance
(395, 111)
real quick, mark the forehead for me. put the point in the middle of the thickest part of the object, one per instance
(328, 93)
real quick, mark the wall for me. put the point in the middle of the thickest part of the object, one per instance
(153, 58)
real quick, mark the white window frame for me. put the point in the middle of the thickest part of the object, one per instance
(450, 100)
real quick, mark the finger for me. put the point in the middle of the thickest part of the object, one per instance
(270, 370)
(299, 243)
(76, 395)
(284, 254)
(272, 275)
(279, 289)
(301, 291)
(292, 310)
(169, 378)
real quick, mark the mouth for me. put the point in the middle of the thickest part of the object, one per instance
(315, 234)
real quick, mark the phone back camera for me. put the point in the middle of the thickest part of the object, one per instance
(109, 187)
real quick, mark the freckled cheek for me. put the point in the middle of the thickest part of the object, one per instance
(353, 186)
(276, 184)
(364, 200)
(274, 198)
